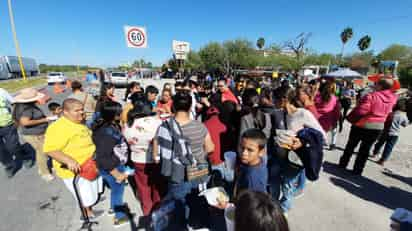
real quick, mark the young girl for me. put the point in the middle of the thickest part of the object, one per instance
(328, 107)
(390, 134)
(164, 105)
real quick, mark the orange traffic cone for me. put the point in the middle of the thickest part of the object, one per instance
(57, 88)
(68, 84)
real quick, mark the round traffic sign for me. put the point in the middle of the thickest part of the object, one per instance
(136, 37)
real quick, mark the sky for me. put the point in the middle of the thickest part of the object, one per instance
(90, 32)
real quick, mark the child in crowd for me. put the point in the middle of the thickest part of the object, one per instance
(390, 134)
(55, 110)
(257, 211)
(252, 172)
(164, 105)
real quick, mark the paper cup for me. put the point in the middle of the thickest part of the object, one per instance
(230, 218)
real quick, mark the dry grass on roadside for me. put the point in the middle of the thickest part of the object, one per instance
(14, 85)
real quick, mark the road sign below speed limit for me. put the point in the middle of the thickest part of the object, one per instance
(136, 37)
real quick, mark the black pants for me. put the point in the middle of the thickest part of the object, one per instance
(10, 148)
(345, 104)
(366, 138)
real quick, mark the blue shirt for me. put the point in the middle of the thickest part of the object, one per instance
(90, 77)
(253, 178)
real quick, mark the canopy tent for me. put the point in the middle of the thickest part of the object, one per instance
(342, 73)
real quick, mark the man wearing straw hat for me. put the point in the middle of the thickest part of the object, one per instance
(33, 124)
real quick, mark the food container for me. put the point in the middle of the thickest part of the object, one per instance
(214, 194)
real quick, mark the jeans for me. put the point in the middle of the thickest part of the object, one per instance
(116, 193)
(292, 182)
(10, 146)
(179, 193)
(366, 138)
(284, 177)
(37, 141)
(389, 141)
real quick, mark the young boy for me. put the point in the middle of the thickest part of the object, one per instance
(252, 173)
(390, 134)
(55, 109)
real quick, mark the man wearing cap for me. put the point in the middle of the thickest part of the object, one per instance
(10, 149)
(33, 124)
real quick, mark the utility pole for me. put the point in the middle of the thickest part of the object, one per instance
(16, 42)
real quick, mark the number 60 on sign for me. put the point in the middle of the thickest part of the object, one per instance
(136, 37)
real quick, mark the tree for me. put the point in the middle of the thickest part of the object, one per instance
(298, 45)
(364, 43)
(193, 61)
(142, 63)
(213, 57)
(398, 52)
(260, 43)
(405, 77)
(345, 36)
(239, 53)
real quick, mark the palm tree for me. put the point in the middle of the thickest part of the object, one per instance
(345, 36)
(364, 43)
(260, 43)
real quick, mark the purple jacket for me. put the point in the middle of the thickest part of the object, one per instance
(373, 109)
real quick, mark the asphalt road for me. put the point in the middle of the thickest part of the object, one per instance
(337, 201)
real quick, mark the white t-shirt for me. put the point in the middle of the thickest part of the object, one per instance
(140, 137)
(303, 118)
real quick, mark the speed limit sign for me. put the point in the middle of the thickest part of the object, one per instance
(136, 37)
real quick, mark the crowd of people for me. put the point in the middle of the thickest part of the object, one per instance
(260, 142)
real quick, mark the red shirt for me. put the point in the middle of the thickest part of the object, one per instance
(215, 128)
(167, 106)
(229, 96)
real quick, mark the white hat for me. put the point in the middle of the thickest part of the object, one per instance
(28, 95)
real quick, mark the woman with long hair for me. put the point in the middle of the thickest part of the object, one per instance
(328, 107)
(131, 88)
(140, 131)
(295, 119)
(111, 157)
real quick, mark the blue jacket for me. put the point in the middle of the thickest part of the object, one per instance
(311, 153)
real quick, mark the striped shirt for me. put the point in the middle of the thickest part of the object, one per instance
(196, 132)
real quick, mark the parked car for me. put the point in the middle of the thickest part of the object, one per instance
(117, 78)
(56, 77)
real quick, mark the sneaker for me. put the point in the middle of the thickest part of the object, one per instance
(11, 171)
(28, 163)
(121, 222)
(48, 177)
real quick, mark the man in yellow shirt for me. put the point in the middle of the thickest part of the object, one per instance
(69, 142)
